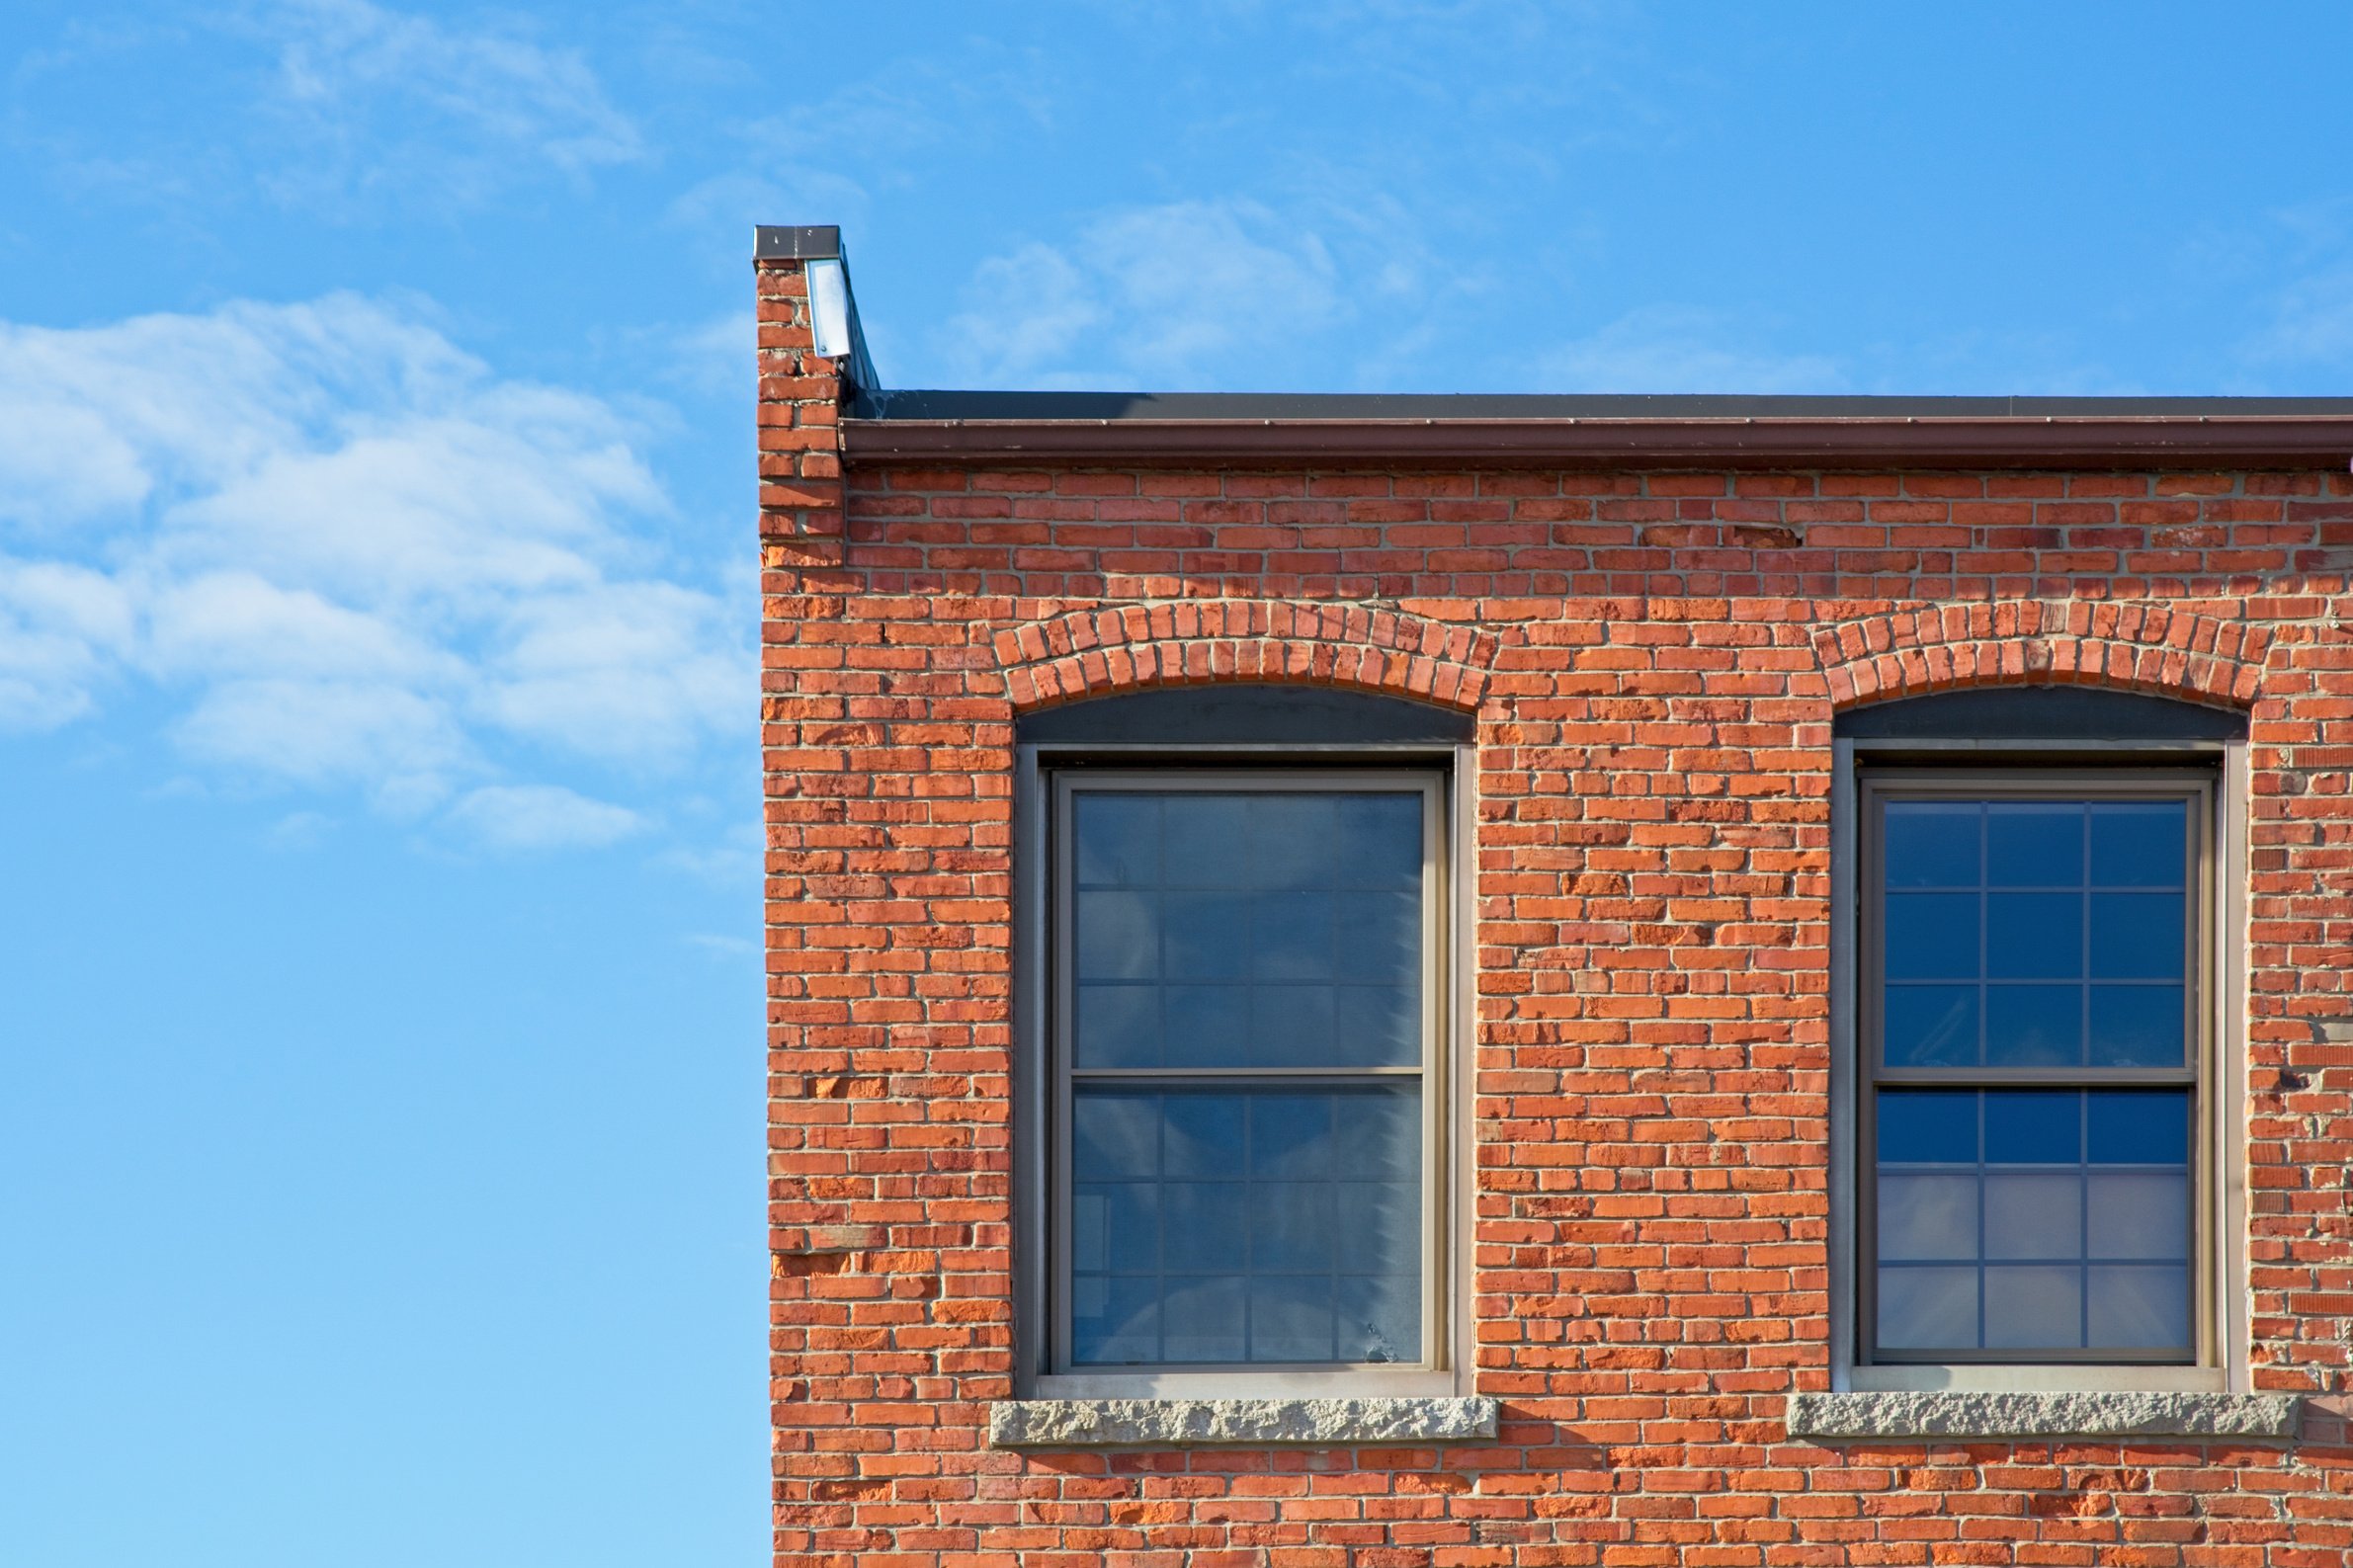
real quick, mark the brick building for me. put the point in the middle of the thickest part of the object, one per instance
(1459, 980)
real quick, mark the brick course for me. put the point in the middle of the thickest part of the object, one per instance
(1654, 659)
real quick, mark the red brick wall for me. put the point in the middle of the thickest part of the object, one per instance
(1654, 660)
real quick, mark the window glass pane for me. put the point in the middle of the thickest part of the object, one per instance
(2034, 1308)
(1290, 1025)
(1245, 1224)
(1377, 1025)
(1927, 1217)
(1380, 846)
(1293, 936)
(2137, 1026)
(1379, 937)
(1119, 840)
(1295, 840)
(2033, 844)
(2139, 1308)
(2034, 1025)
(2139, 843)
(1931, 1308)
(2140, 1126)
(1932, 937)
(1931, 1026)
(1203, 1320)
(2137, 936)
(1117, 935)
(1927, 1127)
(1380, 1318)
(1118, 1025)
(2034, 936)
(1208, 936)
(1932, 843)
(2139, 1214)
(1207, 1026)
(1209, 839)
(2033, 1214)
(2033, 1126)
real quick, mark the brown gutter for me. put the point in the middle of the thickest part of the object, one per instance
(2129, 442)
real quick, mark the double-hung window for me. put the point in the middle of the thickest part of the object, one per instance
(1237, 1005)
(2035, 1018)
(1245, 1026)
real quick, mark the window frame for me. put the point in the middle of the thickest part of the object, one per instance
(1041, 1090)
(2217, 1153)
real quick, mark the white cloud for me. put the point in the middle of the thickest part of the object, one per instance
(358, 557)
(1672, 349)
(379, 98)
(1161, 295)
(541, 817)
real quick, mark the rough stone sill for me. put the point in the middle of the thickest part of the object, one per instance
(1951, 1414)
(1234, 1423)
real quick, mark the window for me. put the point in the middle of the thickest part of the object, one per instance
(2034, 1032)
(1245, 1029)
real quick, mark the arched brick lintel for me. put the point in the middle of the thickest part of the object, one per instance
(1094, 652)
(2158, 649)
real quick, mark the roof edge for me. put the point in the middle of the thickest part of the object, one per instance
(2271, 438)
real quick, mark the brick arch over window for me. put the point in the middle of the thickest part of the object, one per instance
(2158, 649)
(1090, 652)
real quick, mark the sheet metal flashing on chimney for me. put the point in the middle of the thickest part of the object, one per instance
(795, 242)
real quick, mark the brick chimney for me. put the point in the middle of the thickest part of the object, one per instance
(804, 305)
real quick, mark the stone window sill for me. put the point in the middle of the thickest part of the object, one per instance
(1897, 1417)
(1235, 1423)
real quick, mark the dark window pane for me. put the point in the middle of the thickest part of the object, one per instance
(1379, 1132)
(1206, 1224)
(1115, 1228)
(1932, 843)
(2137, 1026)
(2137, 936)
(1291, 1136)
(1292, 1227)
(1119, 839)
(1290, 1025)
(2033, 844)
(1292, 936)
(1379, 1025)
(1931, 1026)
(2139, 843)
(1928, 1309)
(2140, 1126)
(2034, 1307)
(1290, 1318)
(1201, 1320)
(2034, 936)
(2034, 1025)
(1379, 843)
(1932, 937)
(1380, 1224)
(1379, 1318)
(2139, 1308)
(1114, 1321)
(1207, 1026)
(1205, 1134)
(1117, 935)
(1927, 1125)
(1208, 839)
(1114, 1135)
(1379, 937)
(1293, 839)
(1118, 1025)
(1208, 935)
(2033, 1126)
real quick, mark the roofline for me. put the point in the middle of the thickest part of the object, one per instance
(1601, 432)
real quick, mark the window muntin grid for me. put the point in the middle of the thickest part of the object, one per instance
(2031, 941)
(1244, 981)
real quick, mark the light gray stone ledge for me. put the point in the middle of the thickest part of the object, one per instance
(1236, 1423)
(1962, 1415)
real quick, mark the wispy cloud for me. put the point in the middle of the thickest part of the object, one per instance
(354, 556)
(1672, 349)
(540, 817)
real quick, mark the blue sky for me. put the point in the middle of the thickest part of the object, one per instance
(379, 1148)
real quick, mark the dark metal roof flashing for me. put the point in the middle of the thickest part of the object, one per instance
(823, 242)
